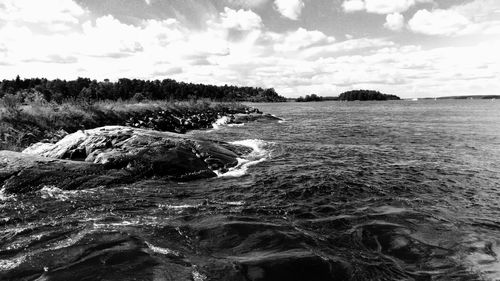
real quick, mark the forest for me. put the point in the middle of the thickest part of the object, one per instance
(86, 89)
(363, 95)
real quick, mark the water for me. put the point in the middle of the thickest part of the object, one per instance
(398, 190)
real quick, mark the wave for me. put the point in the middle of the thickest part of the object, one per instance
(4, 196)
(236, 125)
(163, 251)
(53, 192)
(224, 120)
(178, 207)
(259, 154)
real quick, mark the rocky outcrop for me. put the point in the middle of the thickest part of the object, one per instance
(114, 155)
(250, 117)
(183, 121)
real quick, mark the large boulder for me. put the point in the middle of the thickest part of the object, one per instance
(113, 155)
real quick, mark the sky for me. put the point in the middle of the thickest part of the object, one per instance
(411, 48)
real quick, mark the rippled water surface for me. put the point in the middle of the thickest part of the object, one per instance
(397, 190)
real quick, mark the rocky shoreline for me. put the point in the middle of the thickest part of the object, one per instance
(181, 122)
(116, 155)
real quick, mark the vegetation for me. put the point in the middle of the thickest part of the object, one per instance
(309, 98)
(39, 120)
(129, 89)
(482, 97)
(314, 97)
(33, 110)
(364, 95)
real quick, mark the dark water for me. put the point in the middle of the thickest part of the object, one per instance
(339, 191)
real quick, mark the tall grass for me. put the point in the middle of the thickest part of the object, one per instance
(38, 120)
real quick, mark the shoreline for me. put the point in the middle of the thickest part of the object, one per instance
(24, 125)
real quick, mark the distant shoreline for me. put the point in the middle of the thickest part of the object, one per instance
(469, 97)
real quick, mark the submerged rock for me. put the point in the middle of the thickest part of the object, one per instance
(114, 155)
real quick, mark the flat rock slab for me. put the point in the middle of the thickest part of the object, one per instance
(114, 155)
(22, 173)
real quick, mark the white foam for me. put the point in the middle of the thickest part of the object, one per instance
(160, 250)
(177, 207)
(224, 120)
(240, 169)
(50, 191)
(3, 196)
(11, 264)
(235, 203)
(258, 155)
(258, 147)
(197, 276)
(236, 125)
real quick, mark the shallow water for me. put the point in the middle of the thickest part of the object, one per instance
(398, 190)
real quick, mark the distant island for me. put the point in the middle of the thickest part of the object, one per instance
(484, 97)
(365, 95)
(361, 95)
(314, 97)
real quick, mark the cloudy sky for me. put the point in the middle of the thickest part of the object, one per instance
(412, 48)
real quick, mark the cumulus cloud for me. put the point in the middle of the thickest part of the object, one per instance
(476, 17)
(241, 19)
(438, 22)
(394, 21)
(353, 5)
(300, 39)
(235, 46)
(289, 8)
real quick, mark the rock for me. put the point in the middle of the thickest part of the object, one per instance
(181, 122)
(250, 117)
(22, 173)
(113, 155)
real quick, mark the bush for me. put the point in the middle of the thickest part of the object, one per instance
(12, 104)
(138, 97)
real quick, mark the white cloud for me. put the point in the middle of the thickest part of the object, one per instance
(289, 8)
(353, 5)
(388, 7)
(49, 11)
(381, 6)
(476, 17)
(394, 21)
(438, 22)
(235, 47)
(341, 48)
(300, 39)
(479, 10)
(241, 19)
(247, 3)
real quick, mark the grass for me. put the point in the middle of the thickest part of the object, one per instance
(25, 124)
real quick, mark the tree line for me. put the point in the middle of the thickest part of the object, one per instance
(364, 95)
(126, 89)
